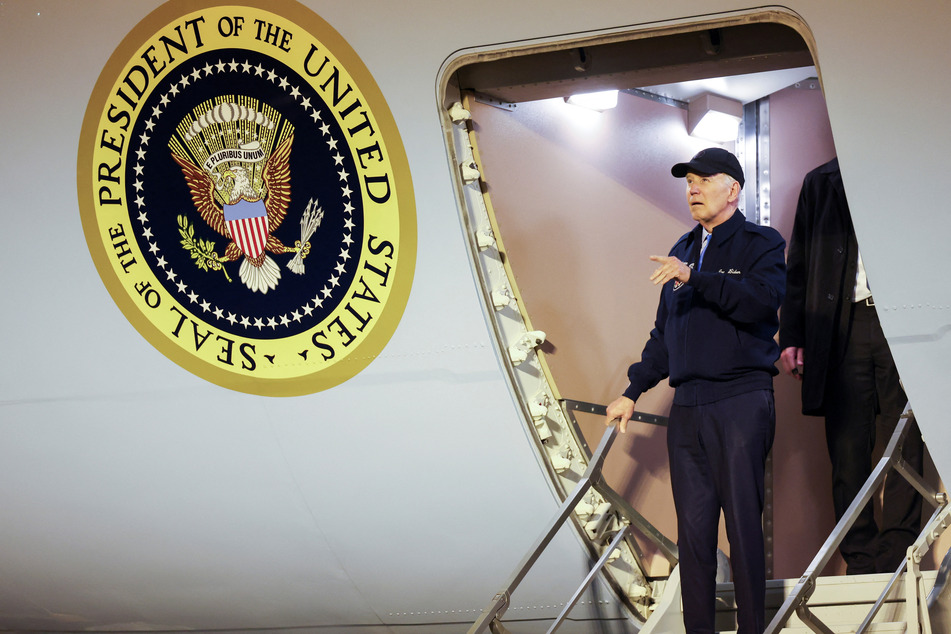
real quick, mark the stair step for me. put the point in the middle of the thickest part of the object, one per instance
(874, 628)
(841, 603)
(834, 590)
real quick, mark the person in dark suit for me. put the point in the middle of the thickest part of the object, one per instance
(832, 341)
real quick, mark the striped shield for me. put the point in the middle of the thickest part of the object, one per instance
(247, 223)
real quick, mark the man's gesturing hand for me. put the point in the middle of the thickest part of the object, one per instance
(670, 269)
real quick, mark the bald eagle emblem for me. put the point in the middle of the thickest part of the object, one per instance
(241, 191)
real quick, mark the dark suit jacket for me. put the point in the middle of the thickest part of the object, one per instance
(820, 278)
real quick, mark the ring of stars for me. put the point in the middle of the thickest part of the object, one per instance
(343, 259)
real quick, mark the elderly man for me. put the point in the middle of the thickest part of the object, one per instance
(723, 283)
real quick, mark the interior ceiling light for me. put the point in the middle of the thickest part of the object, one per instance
(714, 118)
(600, 101)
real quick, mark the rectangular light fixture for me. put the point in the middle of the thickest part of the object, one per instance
(600, 101)
(714, 118)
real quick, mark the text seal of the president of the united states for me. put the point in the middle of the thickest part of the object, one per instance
(246, 197)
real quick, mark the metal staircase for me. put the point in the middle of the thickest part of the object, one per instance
(908, 601)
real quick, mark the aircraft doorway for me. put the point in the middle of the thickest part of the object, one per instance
(580, 198)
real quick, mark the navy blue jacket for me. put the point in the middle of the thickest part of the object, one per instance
(714, 335)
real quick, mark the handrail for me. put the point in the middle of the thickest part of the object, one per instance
(665, 546)
(588, 579)
(500, 602)
(572, 405)
(798, 599)
(592, 478)
(932, 530)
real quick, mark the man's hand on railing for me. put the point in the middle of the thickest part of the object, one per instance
(620, 410)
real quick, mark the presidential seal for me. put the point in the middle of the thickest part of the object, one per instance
(246, 197)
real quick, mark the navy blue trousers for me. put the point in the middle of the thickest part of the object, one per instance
(717, 455)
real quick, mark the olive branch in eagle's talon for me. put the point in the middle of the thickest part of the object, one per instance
(202, 251)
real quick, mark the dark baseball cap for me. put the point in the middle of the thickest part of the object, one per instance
(713, 160)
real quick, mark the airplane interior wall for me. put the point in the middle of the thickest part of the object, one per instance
(582, 199)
